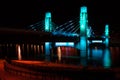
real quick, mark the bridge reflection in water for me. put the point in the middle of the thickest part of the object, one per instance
(95, 56)
(43, 45)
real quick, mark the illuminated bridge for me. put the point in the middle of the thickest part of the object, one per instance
(77, 30)
(75, 33)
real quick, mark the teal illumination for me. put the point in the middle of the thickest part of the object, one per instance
(84, 9)
(88, 32)
(97, 41)
(83, 28)
(107, 30)
(71, 44)
(107, 42)
(48, 26)
(83, 43)
(83, 21)
(107, 59)
(97, 53)
(47, 48)
(107, 35)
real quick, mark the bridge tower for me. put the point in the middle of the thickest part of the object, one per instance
(48, 22)
(106, 35)
(83, 28)
(83, 25)
(48, 28)
(83, 21)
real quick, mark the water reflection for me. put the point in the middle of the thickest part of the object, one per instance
(96, 53)
(19, 52)
(83, 58)
(38, 48)
(59, 54)
(107, 58)
(47, 48)
(94, 56)
(100, 57)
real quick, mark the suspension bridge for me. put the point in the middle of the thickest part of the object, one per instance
(76, 33)
(77, 28)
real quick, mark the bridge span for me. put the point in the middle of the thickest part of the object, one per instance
(27, 36)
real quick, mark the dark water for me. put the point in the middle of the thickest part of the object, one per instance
(92, 57)
(105, 57)
(95, 56)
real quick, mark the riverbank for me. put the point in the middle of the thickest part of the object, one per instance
(48, 71)
(4, 75)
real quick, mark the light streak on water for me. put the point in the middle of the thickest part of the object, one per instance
(59, 53)
(19, 52)
(107, 59)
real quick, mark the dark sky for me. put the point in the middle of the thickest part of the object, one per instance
(21, 13)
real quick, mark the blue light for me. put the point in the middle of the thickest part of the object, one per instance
(83, 28)
(107, 59)
(107, 42)
(71, 44)
(107, 30)
(97, 41)
(84, 9)
(48, 15)
(83, 21)
(47, 48)
(83, 44)
(74, 34)
(88, 42)
(48, 26)
(107, 35)
(97, 53)
(88, 32)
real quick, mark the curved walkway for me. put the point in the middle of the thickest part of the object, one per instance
(8, 76)
(91, 72)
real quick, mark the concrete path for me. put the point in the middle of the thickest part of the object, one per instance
(8, 76)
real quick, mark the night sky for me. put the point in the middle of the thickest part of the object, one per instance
(21, 13)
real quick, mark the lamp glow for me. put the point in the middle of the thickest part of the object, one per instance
(64, 44)
(97, 41)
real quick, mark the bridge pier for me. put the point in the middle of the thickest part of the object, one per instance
(107, 35)
(47, 48)
(48, 28)
(82, 44)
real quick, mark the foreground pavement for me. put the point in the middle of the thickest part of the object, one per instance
(8, 76)
(4, 75)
